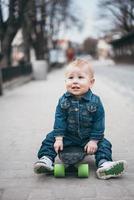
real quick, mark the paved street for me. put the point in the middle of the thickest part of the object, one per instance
(27, 114)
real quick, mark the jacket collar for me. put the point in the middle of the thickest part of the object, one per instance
(86, 96)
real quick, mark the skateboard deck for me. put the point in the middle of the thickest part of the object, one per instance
(71, 158)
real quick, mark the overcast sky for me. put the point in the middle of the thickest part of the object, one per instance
(94, 26)
(5, 8)
(88, 11)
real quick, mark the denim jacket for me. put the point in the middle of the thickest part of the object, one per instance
(82, 118)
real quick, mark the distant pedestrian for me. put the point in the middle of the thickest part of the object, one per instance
(70, 54)
(80, 120)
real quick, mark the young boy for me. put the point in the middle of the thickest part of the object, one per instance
(79, 120)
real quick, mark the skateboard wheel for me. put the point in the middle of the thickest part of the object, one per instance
(59, 170)
(83, 171)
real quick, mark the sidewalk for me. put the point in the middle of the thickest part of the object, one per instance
(27, 114)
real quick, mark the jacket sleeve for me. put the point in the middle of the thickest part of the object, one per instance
(60, 121)
(98, 127)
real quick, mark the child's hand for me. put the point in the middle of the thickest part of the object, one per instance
(91, 147)
(58, 145)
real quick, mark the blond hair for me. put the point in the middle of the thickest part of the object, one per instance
(81, 63)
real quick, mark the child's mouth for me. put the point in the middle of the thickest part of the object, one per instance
(75, 87)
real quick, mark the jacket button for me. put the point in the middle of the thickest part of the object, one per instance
(76, 109)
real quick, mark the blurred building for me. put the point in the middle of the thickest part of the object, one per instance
(123, 48)
(103, 49)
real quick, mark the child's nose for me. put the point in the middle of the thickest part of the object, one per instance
(75, 80)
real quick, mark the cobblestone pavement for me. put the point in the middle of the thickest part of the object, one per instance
(27, 114)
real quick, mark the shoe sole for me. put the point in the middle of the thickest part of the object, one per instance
(114, 171)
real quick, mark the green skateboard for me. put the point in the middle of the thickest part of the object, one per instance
(71, 158)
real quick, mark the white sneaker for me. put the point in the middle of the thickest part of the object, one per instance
(111, 169)
(43, 165)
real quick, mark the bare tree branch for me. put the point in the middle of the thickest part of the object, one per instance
(120, 12)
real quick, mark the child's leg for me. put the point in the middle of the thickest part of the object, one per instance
(104, 152)
(106, 167)
(46, 155)
(47, 147)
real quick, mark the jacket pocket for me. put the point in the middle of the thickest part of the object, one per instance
(65, 104)
(91, 107)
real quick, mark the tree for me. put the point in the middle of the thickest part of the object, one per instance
(43, 21)
(120, 13)
(89, 46)
(60, 14)
(9, 28)
(40, 20)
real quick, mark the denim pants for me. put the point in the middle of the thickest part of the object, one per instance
(103, 152)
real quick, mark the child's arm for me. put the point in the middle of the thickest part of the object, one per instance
(98, 126)
(60, 120)
(97, 132)
(58, 145)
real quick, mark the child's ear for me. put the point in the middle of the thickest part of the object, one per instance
(92, 82)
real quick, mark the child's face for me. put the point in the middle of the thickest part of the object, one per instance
(78, 80)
